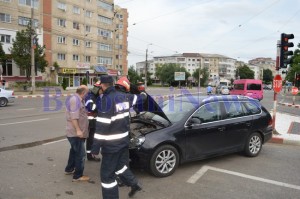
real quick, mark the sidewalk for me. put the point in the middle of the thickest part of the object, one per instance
(287, 126)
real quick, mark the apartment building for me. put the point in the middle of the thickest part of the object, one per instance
(264, 63)
(82, 37)
(219, 66)
(14, 16)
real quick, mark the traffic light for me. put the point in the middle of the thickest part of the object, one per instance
(284, 49)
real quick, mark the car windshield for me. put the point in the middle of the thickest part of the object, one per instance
(176, 110)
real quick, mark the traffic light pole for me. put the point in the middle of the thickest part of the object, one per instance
(275, 93)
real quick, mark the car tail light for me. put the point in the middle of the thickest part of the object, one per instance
(270, 123)
(13, 93)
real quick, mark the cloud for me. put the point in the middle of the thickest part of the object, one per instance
(235, 28)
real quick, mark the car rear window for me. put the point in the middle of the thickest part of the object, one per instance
(253, 86)
(252, 108)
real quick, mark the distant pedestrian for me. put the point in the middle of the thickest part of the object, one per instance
(77, 132)
(3, 83)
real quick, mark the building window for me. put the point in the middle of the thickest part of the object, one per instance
(104, 19)
(61, 22)
(104, 47)
(7, 69)
(61, 56)
(76, 25)
(88, 59)
(104, 60)
(5, 18)
(119, 16)
(87, 28)
(34, 3)
(76, 42)
(118, 56)
(61, 39)
(88, 44)
(88, 13)
(105, 33)
(119, 26)
(76, 57)
(24, 21)
(89, 1)
(6, 0)
(105, 6)
(5, 39)
(119, 36)
(62, 6)
(76, 10)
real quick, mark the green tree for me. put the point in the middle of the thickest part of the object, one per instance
(2, 55)
(133, 76)
(295, 65)
(166, 73)
(21, 52)
(267, 76)
(204, 73)
(245, 72)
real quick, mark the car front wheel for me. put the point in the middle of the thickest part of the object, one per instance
(3, 102)
(164, 161)
(253, 145)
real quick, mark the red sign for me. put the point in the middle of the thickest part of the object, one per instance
(277, 83)
(294, 90)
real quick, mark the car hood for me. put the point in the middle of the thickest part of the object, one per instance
(149, 104)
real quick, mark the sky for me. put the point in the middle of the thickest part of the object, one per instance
(240, 29)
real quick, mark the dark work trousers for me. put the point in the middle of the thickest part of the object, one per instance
(89, 140)
(115, 164)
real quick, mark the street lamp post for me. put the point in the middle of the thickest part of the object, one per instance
(199, 74)
(146, 65)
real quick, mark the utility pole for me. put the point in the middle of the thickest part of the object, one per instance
(146, 68)
(32, 50)
(199, 74)
(146, 65)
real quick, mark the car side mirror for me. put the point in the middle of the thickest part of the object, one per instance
(194, 120)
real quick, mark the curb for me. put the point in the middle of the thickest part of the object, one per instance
(289, 105)
(279, 139)
(39, 96)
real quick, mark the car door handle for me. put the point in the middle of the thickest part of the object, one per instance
(248, 123)
(221, 129)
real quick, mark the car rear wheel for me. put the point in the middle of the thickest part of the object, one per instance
(3, 102)
(253, 145)
(164, 161)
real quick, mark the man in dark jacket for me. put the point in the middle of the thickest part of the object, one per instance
(90, 105)
(112, 135)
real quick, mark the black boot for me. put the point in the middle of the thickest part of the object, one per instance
(134, 189)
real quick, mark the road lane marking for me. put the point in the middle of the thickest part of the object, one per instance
(28, 121)
(25, 109)
(193, 179)
(54, 142)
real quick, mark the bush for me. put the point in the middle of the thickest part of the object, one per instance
(65, 83)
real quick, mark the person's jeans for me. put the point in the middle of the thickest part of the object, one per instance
(76, 157)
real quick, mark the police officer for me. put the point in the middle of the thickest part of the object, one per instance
(112, 135)
(90, 105)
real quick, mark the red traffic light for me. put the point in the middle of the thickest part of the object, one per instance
(284, 50)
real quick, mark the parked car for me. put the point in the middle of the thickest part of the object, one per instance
(267, 87)
(224, 90)
(192, 127)
(6, 96)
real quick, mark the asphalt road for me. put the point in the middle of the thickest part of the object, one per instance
(32, 162)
